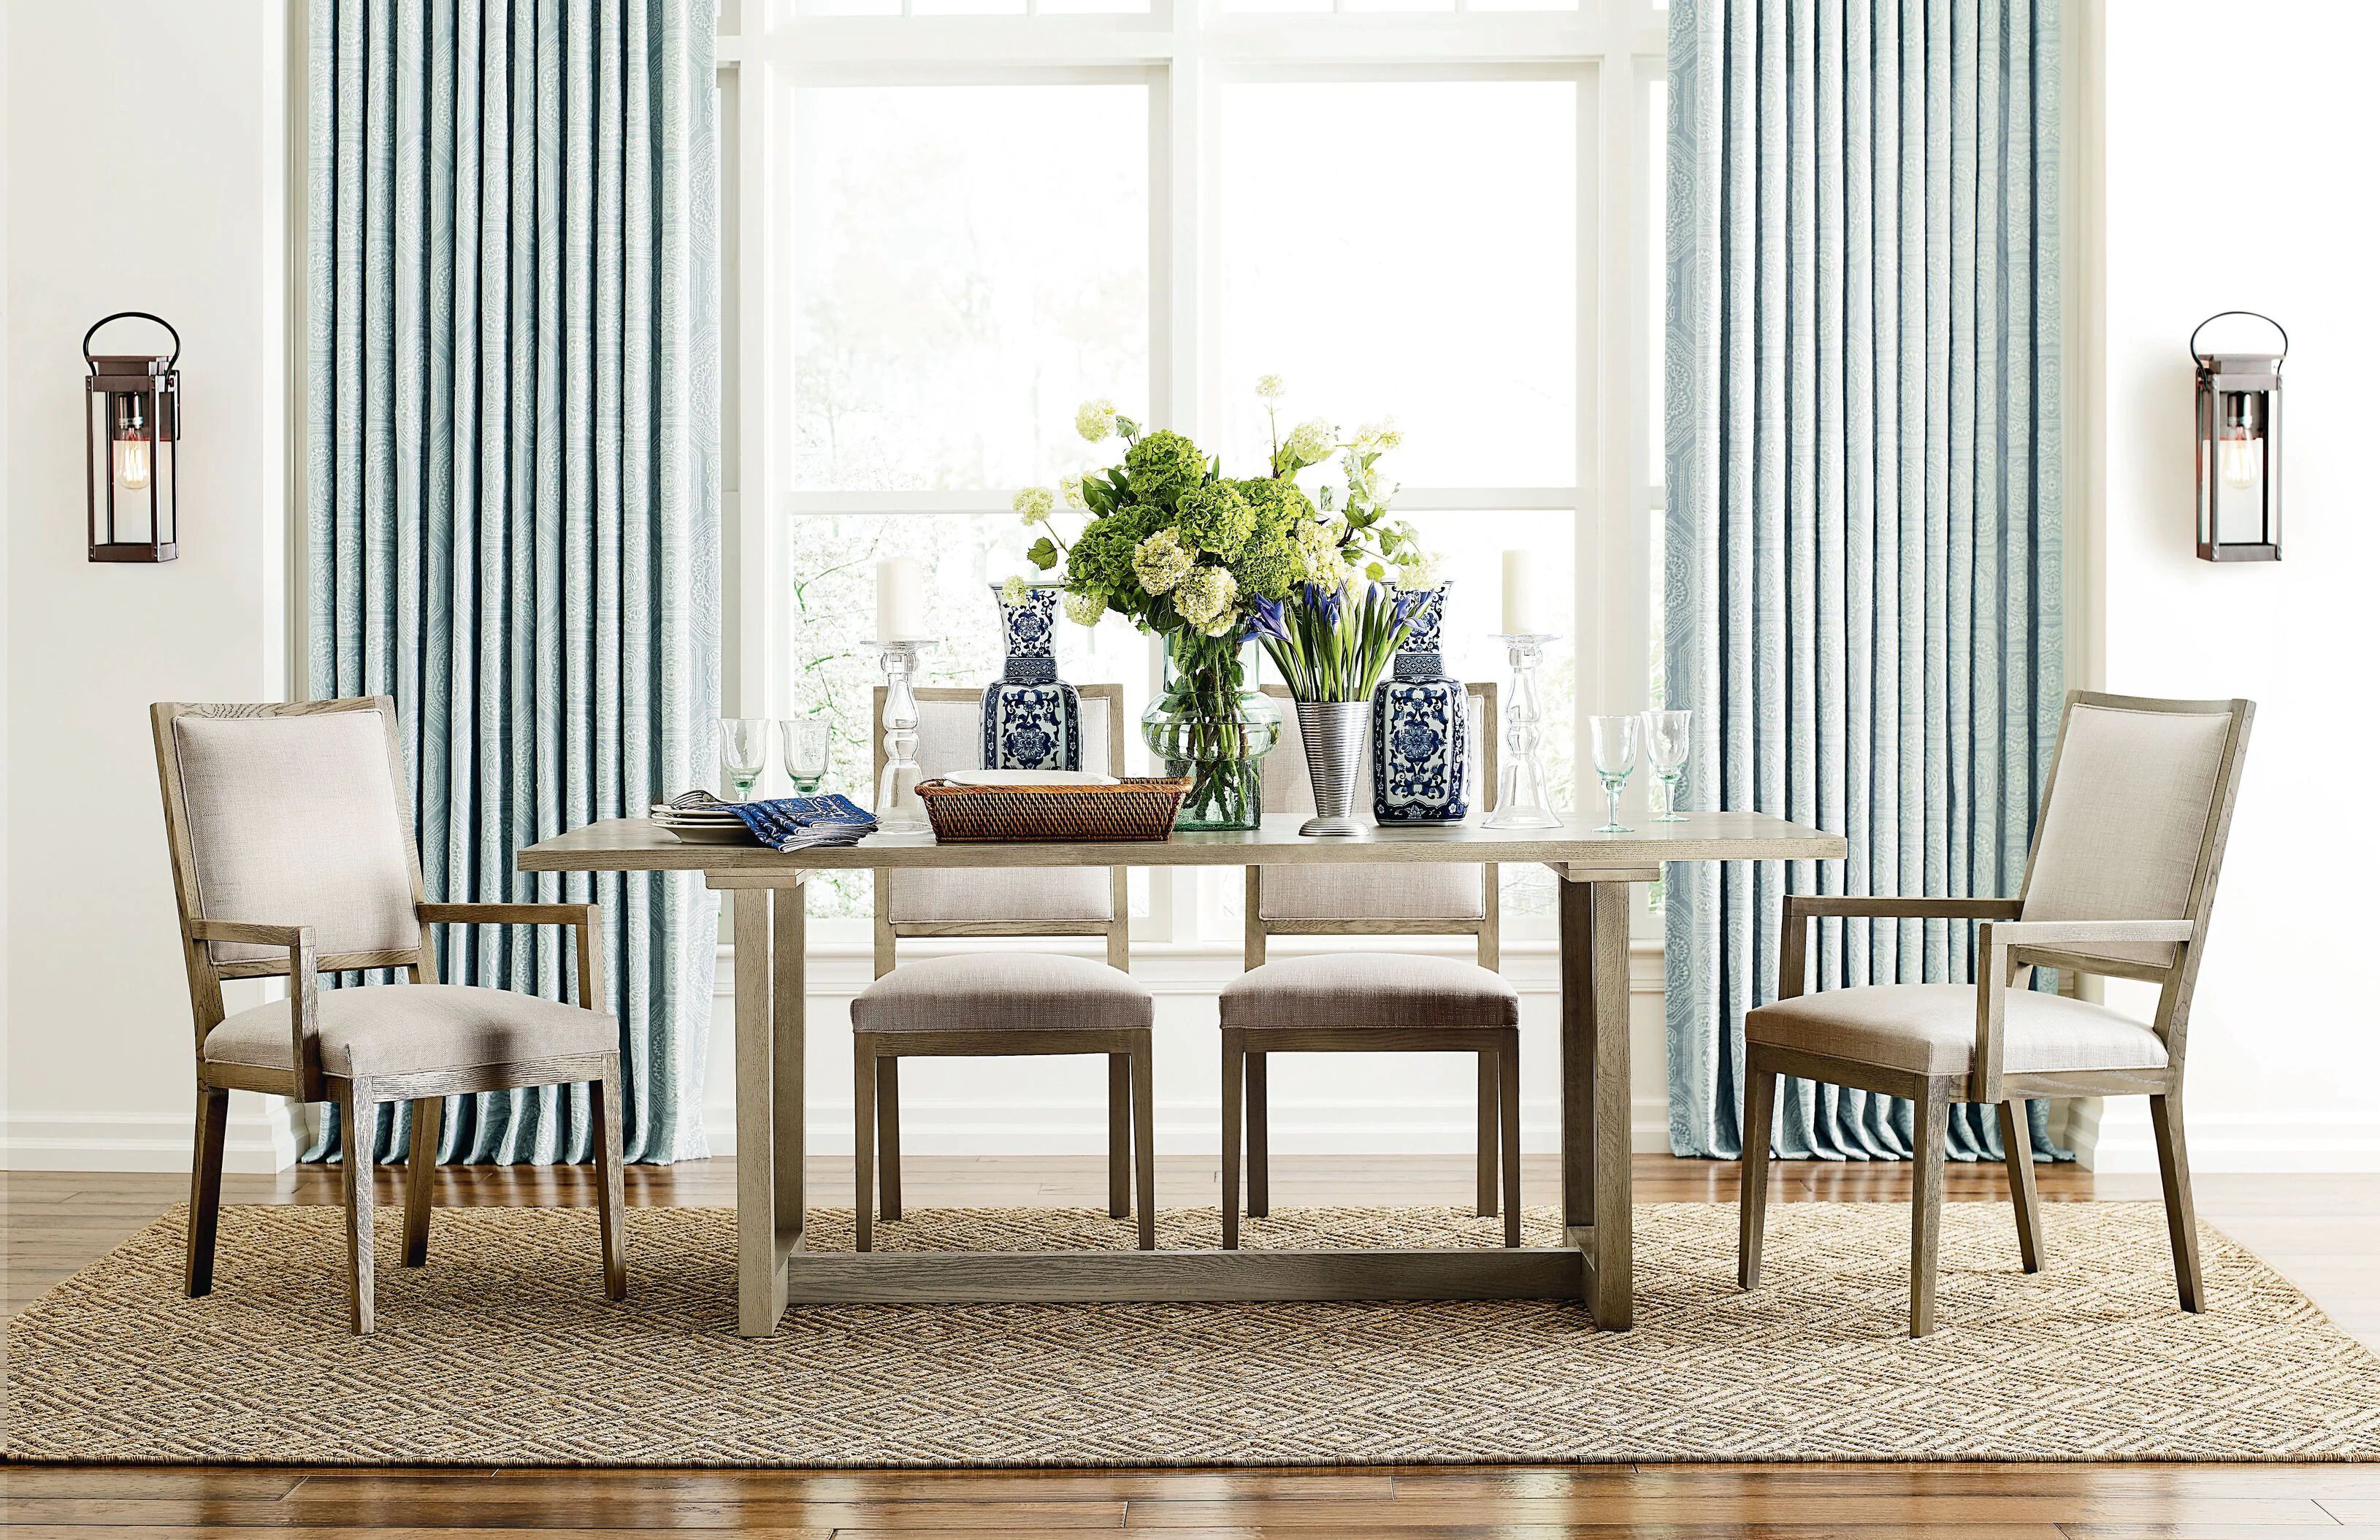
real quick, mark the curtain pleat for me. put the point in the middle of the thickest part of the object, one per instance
(1863, 572)
(513, 364)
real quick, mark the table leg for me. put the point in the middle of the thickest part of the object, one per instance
(759, 1273)
(790, 989)
(1597, 1196)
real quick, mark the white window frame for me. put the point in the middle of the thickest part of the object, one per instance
(1186, 51)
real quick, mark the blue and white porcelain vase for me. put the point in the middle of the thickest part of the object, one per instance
(1032, 719)
(1421, 729)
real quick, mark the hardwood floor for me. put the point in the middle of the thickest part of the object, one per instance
(2323, 1232)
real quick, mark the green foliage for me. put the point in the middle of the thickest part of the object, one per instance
(1160, 467)
(1044, 553)
(1216, 519)
(1101, 560)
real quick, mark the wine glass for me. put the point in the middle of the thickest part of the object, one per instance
(807, 745)
(743, 753)
(1613, 740)
(1665, 748)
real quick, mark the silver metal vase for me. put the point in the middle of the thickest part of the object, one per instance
(1333, 731)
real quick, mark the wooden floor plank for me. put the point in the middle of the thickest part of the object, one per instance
(1744, 1508)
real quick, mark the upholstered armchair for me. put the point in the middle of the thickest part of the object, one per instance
(293, 855)
(2119, 883)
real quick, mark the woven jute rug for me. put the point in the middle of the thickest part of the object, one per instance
(503, 1351)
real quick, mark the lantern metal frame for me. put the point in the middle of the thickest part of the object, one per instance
(146, 391)
(2235, 389)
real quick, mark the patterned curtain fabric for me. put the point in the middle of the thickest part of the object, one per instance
(1864, 576)
(513, 430)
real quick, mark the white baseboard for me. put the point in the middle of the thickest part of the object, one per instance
(262, 1137)
(2114, 1136)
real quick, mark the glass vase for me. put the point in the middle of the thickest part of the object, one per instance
(1211, 724)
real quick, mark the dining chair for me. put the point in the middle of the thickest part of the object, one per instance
(2119, 883)
(292, 848)
(1369, 1001)
(1003, 1003)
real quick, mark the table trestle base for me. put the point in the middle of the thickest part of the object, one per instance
(981, 1276)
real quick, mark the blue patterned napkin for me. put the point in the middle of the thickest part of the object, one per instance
(791, 823)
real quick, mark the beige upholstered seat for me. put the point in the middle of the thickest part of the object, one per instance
(2120, 883)
(1930, 1029)
(293, 857)
(1370, 989)
(402, 1028)
(1012, 991)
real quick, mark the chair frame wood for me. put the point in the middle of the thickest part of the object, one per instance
(358, 1098)
(875, 1056)
(2005, 944)
(1247, 1113)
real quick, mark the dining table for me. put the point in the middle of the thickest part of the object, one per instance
(1593, 1263)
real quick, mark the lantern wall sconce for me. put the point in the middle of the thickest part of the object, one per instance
(132, 419)
(2240, 448)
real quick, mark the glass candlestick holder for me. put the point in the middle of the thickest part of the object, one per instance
(1523, 793)
(899, 810)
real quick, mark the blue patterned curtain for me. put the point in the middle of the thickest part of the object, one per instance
(1863, 575)
(513, 430)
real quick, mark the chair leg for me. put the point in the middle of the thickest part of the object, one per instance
(2016, 1147)
(356, 1178)
(863, 1148)
(610, 1202)
(1933, 1125)
(1144, 1149)
(1235, 1076)
(1508, 1099)
(1119, 1134)
(206, 1191)
(2180, 1211)
(888, 1135)
(1260, 1140)
(421, 1177)
(1488, 1100)
(1752, 1197)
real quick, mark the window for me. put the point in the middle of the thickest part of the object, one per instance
(950, 220)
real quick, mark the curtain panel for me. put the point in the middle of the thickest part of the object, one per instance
(1864, 576)
(513, 509)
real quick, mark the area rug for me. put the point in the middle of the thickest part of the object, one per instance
(503, 1351)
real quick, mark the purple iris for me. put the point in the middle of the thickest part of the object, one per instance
(1268, 621)
(1325, 602)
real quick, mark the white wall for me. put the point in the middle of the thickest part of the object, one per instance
(2235, 174)
(146, 169)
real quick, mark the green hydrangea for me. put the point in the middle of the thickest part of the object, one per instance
(1216, 519)
(1162, 466)
(1100, 561)
(1268, 565)
(1278, 504)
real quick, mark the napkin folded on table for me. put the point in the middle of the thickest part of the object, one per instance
(791, 823)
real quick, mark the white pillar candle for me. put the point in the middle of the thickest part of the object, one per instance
(900, 598)
(1520, 601)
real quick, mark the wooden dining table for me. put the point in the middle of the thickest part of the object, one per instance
(1593, 1263)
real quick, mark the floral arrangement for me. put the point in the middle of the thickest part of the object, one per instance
(1330, 646)
(1184, 551)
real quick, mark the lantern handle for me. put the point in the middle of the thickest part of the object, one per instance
(144, 315)
(2211, 320)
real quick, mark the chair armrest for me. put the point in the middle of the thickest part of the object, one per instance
(1800, 909)
(584, 918)
(1996, 945)
(305, 1049)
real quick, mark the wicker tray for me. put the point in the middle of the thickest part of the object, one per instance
(1139, 807)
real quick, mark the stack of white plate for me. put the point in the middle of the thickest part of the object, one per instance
(702, 824)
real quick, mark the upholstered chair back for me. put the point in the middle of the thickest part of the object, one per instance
(2139, 801)
(1419, 890)
(295, 819)
(950, 739)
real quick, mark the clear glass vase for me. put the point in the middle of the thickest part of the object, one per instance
(1211, 724)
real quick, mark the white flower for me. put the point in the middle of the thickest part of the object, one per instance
(1311, 442)
(1012, 593)
(1096, 420)
(1222, 625)
(1085, 608)
(1204, 597)
(1161, 561)
(1421, 572)
(1381, 435)
(1033, 506)
(1070, 488)
(1268, 387)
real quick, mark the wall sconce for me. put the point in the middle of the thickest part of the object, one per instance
(2239, 449)
(132, 420)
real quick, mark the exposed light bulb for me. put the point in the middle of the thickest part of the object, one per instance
(2240, 459)
(132, 465)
